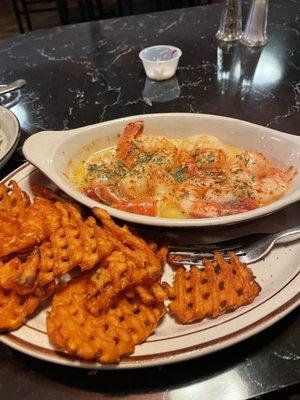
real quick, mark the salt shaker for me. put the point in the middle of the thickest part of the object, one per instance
(230, 28)
(256, 28)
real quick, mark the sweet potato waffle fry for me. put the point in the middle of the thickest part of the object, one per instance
(134, 262)
(40, 219)
(207, 293)
(106, 338)
(14, 308)
(151, 294)
(24, 224)
(117, 272)
(105, 312)
(13, 201)
(78, 243)
(131, 245)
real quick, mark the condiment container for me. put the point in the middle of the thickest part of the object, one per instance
(230, 28)
(160, 62)
(255, 34)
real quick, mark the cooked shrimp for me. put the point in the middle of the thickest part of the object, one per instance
(110, 195)
(238, 206)
(135, 185)
(206, 159)
(126, 150)
(189, 195)
(253, 162)
(194, 143)
(205, 209)
(135, 149)
(195, 177)
(273, 186)
(100, 167)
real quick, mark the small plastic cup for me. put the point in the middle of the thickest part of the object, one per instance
(160, 62)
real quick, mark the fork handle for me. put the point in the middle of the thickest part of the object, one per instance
(285, 233)
(264, 246)
(12, 86)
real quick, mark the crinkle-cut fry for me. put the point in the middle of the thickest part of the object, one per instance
(73, 245)
(107, 338)
(15, 309)
(120, 270)
(13, 200)
(207, 293)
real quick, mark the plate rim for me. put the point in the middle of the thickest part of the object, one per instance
(169, 357)
(9, 151)
(175, 356)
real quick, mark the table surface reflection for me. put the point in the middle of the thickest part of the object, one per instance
(82, 74)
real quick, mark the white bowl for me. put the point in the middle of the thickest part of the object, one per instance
(54, 153)
(9, 134)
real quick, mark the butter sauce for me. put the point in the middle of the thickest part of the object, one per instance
(197, 177)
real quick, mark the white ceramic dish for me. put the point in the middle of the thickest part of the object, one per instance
(173, 342)
(9, 134)
(52, 152)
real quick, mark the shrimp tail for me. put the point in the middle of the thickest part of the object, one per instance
(125, 151)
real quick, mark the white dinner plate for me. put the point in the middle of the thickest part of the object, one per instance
(9, 134)
(278, 276)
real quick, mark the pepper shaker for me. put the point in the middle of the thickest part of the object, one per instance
(256, 28)
(230, 28)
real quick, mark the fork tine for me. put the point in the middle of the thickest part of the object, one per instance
(204, 254)
(196, 261)
(179, 263)
(186, 258)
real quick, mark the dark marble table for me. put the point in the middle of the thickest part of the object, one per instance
(82, 74)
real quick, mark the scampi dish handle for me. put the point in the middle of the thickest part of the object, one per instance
(40, 147)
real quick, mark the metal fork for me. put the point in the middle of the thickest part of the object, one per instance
(249, 249)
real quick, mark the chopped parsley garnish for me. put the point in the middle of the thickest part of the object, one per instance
(210, 158)
(146, 157)
(243, 158)
(93, 167)
(103, 171)
(242, 189)
(179, 175)
(159, 160)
